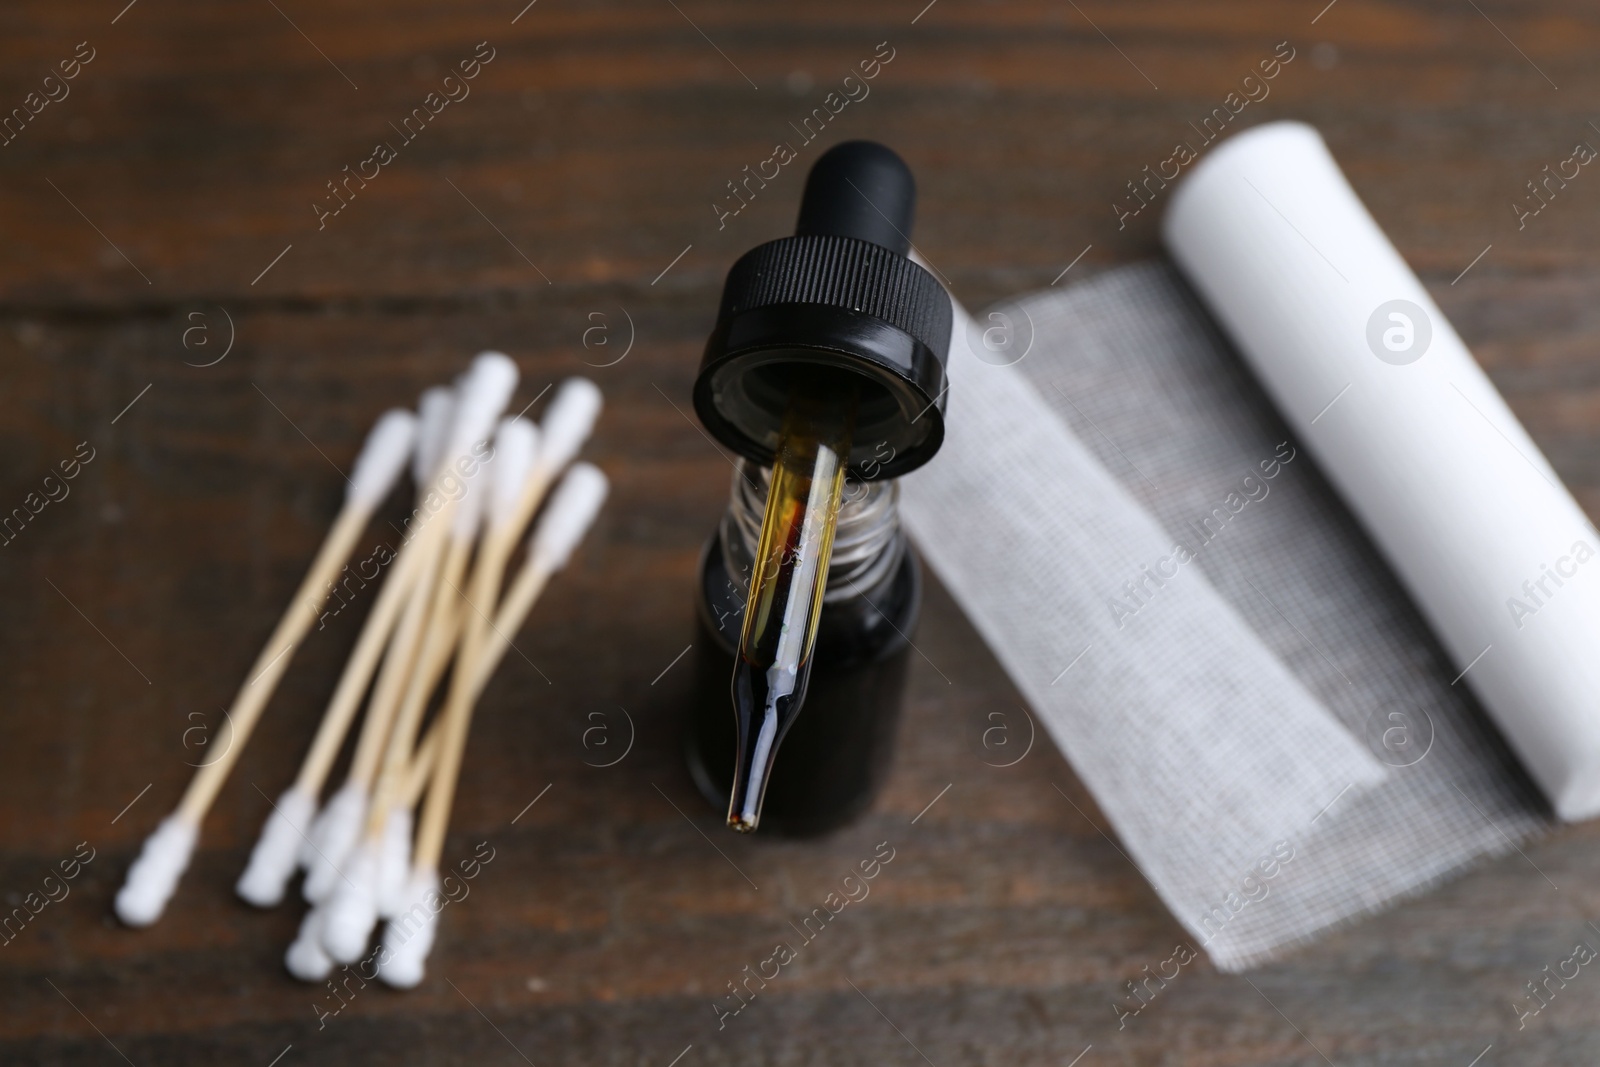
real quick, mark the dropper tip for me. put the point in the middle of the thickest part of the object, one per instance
(744, 824)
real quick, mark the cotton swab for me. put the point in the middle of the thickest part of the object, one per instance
(573, 508)
(436, 410)
(408, 938)
(277, 850)
(306, 959)
(341, 823)
(394, 865)
(377, 877)
(353, 899)
(529, 462)
(516, 494)
(519, 492)
(446, 620)
(394, 853)
(516, 450)
(483, 393)
(292, 832)
(153, 876)
(516, 446)
(377, 874)
(566, 426)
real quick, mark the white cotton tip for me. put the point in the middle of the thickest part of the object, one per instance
(516, 444)
(482, 394)
(576, 502)
(154, 875)
(352, 907)
(475, 493)
(333, 835)
(435, 412)
(408, 937)
(277, 851)
(394, 863)
(568, 422)
(383, 457)
(306, 958)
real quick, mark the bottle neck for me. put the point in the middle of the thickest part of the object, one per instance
(868, 542)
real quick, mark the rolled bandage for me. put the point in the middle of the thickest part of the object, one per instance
(1372, 378)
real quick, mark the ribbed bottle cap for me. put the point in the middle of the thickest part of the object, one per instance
(840, 294)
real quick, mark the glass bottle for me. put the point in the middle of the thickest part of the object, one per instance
(835, 757)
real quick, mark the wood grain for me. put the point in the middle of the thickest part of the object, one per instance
(152, 200)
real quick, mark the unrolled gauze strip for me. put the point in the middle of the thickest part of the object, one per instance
(1180, 721)
(1374, 381)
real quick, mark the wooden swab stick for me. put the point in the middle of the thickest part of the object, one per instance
(523, 473)
(306, 959)
(435, 412)
(347, 811)
(567, 424)
(282, 843)
(379, 879)
(516, 445)
(409, 937)
(445, 623)
(154, 875)
(527, 465)
(483, 394)
(398, 799)
(292, 828)
(414, 778)
(356, 903)
(377, 869)
(421, 768)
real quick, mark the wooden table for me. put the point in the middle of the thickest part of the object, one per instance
(169, 299)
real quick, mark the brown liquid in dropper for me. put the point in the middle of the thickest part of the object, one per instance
(788, 578)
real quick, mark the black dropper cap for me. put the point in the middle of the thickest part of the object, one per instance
(840, 294)
(863, 190)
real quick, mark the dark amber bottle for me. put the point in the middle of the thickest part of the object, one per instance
(826, 374)
(835, 757)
